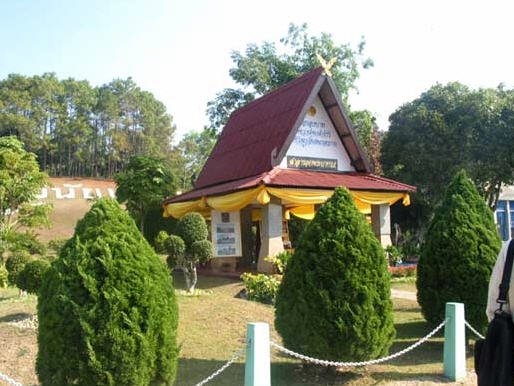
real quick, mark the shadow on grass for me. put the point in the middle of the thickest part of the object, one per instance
(416, 377)
(204, 282)
(192, 371)
(15, 317)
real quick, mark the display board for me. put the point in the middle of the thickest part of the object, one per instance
(226, 233)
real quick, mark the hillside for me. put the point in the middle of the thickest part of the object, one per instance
(71, 198)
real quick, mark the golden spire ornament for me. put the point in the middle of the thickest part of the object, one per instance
(326, 66)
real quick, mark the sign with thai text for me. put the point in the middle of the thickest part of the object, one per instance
(295, 162)
(226, 233)
(316, 144)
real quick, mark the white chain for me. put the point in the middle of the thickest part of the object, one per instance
(351, 364)
(222, 368)
(475, 331)
(9, 380)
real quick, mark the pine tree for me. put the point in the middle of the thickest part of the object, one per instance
(107, 310)
(459, 253)
(334, 301)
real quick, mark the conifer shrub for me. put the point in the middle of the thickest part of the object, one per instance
(334, 300)
(107, 309)
(459, 253)
(31, 277)
(15, 264)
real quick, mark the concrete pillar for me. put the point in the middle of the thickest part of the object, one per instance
(271, 234)
(257, 363)
(246, 236)
(454, 354)
(381, 223)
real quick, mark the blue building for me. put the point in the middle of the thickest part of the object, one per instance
(504, 214)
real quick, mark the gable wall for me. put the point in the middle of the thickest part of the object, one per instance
(317, 139)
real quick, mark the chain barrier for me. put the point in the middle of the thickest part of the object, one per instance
(222, 368)
(474, 331)
(10, 381)
(351, 364)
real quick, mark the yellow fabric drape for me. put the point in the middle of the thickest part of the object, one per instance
(304, 198)
(179, 209)
(301, 196)
(379, 198)
(238, 200)
(305, 212)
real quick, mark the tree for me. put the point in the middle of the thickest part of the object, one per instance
(20, 181)
(261, 69)
(144, 184)
(191, 154)
(107, 305)
(459, 254)
(188, 248)
(446, 129)
(369, 137)
(76, 129)
(334, 301)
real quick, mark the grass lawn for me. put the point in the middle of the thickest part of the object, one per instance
(212, 328)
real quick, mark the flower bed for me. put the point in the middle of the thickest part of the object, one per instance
(405, 270)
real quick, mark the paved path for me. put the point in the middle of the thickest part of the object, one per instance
(403, 294)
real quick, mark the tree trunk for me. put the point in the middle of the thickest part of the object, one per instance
(194, 278)
(186, 277)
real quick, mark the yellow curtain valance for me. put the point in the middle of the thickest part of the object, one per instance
(305, 199)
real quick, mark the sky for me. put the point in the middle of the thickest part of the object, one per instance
(180, 50)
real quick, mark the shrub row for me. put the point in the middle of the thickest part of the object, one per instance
(260, 288)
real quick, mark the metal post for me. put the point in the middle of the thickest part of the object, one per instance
(454, 342)
(257, 366)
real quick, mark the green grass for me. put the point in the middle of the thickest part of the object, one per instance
(212, 328)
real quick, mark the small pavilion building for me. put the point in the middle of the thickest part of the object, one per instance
(282, 155)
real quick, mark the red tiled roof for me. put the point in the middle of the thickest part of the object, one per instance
(246, 143)
(293, 178)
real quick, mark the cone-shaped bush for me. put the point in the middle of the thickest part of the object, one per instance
(107, 310)
(458, 256)
(334, 301)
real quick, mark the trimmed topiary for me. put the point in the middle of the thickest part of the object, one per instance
(458, 256)
(334, 301)
(174, 246)
(31, 277)
(189, 248)
(15, 264)
(191, 228)
(107, 309)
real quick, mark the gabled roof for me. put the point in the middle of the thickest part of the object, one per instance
(257, 136)
(292, 178)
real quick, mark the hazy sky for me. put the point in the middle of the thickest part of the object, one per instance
(180, 50)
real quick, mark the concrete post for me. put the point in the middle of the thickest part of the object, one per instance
(381, 223)
(454, 342)
(271, 234)
(257, 365)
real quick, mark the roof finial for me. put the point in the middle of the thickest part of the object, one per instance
(326, 66)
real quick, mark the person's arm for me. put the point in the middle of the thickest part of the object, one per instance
(494, 283)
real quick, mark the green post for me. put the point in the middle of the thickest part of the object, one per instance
(454, 342)
(257, 366)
